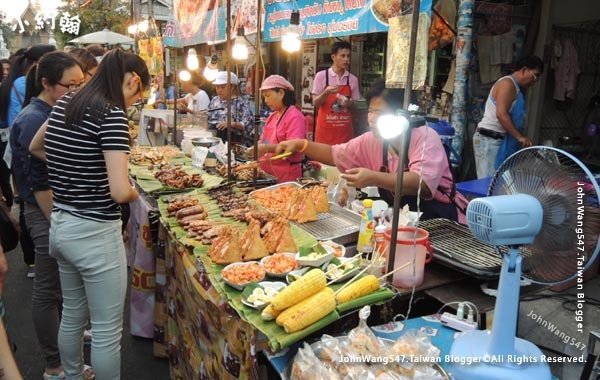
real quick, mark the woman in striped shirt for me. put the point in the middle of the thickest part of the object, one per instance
(87, 147)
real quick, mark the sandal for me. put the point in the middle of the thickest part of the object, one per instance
(88, 374)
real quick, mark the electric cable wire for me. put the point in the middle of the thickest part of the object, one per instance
(412, 293)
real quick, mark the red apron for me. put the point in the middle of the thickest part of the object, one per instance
(285, 170)
(334, 121)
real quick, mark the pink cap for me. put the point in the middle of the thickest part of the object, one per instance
(276, 81)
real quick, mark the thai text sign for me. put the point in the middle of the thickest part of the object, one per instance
(336, 18)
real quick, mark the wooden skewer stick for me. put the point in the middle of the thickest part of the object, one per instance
(342, 264)
(356, 276)
(395, 270)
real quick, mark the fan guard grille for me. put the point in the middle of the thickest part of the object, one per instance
(568, 194)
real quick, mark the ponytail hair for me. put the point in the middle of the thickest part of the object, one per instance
(50, 67)
(105, 90)
(18, 68)
(31, 87)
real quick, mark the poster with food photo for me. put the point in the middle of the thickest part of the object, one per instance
(309, 66)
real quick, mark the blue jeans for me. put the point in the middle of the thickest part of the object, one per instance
(93, 274)
(485, 150)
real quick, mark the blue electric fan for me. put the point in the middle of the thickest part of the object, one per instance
(542, 213)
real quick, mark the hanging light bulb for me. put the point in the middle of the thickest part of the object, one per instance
(192, 60)
(240, 49)
(211, 69)
(290, 41)
(184, 75)
(132, 29)
(143, 26)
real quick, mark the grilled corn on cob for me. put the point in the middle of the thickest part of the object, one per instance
(269, 313)
(307, 312)
(366, 285)
(307, 285)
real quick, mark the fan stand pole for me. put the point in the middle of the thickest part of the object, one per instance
(499, 354)
(502, 339)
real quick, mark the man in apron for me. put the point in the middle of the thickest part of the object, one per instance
(333, 92)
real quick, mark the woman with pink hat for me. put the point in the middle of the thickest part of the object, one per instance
(285, 123)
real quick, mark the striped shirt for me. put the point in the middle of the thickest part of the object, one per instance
(76, 165)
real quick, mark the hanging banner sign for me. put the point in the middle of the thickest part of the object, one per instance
(334, 18)
(151, 51)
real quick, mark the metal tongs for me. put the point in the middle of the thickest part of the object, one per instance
(254, 164)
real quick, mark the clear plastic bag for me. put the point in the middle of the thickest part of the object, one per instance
(199, 154)
(332, 354)
(308, 367)
(414, 344)
(362, 341)
(341, 193)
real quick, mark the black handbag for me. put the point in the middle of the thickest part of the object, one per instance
(9, 236)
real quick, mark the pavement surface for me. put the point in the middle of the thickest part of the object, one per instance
(137, 360)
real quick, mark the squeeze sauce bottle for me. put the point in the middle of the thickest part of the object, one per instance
(379, 235)
(367, 227)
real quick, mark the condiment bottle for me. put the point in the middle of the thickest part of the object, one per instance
(379, 235)
(367, 226)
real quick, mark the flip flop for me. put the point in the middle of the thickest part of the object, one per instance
(88, 374)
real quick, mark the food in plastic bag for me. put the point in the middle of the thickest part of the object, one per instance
(414, 344)
(308, 367)
(362, 340)
(341, 193)
(331, 355)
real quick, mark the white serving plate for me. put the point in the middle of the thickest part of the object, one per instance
(316, 262)
(279, 275)
(277, 285)
(334, 246)
(296, 274)
(241, 286)
(346, 275)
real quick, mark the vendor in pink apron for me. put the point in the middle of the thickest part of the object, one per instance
(285, 122)
(333, 92)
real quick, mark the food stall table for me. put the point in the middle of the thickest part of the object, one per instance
(205, 328)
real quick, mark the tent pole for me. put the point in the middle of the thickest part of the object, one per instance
(257, 83)
(228, 69)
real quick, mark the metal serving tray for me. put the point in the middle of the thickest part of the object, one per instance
(340, 224)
